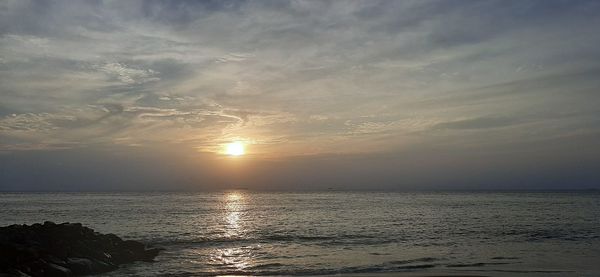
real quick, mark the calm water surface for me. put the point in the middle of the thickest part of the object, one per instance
(252, 233)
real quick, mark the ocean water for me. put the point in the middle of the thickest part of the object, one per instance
(331, 233)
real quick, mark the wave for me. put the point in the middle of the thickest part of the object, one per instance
(477, 264)
(322, 240)
(409, 265)
(361, 239)
(551, 234)
(278, 269)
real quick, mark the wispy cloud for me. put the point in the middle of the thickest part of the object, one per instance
(477, 123)
(128, 75)
(296, 73)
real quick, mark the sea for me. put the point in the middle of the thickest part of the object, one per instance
(246, 233)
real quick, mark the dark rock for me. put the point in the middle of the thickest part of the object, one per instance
(57, 270)
(13, 273)
(79, 266)
(150, 253)
(66, 249)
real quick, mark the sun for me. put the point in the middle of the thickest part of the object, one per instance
(235, 149)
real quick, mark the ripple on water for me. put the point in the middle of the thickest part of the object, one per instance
(337, 232)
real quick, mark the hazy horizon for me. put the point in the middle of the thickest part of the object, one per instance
(347, 95)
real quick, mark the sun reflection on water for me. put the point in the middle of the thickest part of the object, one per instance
(234, 258)
(234, 203)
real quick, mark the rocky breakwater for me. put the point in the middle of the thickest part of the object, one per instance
(67, 249)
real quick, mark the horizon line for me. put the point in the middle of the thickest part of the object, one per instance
(563, 190)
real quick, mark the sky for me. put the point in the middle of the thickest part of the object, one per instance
(369, 95)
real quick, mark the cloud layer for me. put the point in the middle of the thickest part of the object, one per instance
(303, 78)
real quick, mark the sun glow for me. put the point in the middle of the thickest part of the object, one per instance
(235, 149)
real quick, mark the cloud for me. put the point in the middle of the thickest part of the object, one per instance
(41, 122)
(477, 123)
(129, 75)
(302, 76)
(352, 94)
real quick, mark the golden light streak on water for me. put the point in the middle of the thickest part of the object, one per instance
(234, 258)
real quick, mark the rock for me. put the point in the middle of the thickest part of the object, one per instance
(150, 253)
(80, 266)
(13, 273)
(66, 249)
(57, 270)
